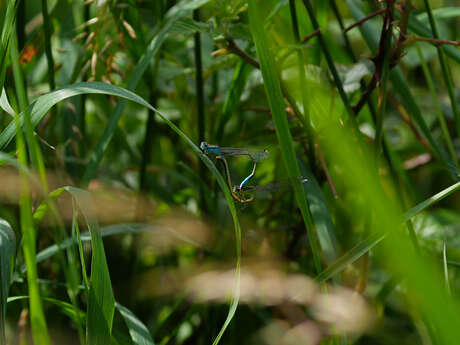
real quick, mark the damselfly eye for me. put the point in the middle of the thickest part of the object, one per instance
(203, 145)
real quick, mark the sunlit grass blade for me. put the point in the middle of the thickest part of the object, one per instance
(275, 100)
(140, 335)
(7, 253)
(38, 322)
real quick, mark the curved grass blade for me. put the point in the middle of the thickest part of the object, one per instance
(276, 103)
(41, 106)
(7, 252)
(140, 334)
(66, 308)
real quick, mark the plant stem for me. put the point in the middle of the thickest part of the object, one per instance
(330, 61)
(442, 121)
(444, 67)
(49, 55)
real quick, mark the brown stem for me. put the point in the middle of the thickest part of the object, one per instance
(326, 171)
(434, 41)
(364, 19)
(234, 49)
(310, 36)
(406, 118)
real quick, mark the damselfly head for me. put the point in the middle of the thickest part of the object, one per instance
(204, 145)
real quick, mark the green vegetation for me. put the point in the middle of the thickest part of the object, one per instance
(334, 221)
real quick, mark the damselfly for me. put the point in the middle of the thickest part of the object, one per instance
(255, 155)
(244, 194)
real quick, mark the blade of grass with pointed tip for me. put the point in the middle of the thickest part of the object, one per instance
(276, 103)
(101, 302)
(7, 252)
(140, 334)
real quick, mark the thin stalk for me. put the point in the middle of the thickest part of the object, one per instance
(38, 322)
(199, 86)
(330, 61)
(303, 84)
(444, 67)
(385, 73)
(49, 55)
(442, 121)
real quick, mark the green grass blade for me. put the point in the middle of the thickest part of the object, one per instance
(442, 121)
(232, 100)
(180, 10)
(321, 216)
(101, 302)
(38, 322)
(5, 104)
(7, 29)
(7, 253)
(276, 103)
(140, 334)
(446, 73)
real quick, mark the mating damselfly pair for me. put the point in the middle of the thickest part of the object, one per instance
(243, 193)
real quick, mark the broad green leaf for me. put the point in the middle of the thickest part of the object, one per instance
(7, 253)
(138, 331)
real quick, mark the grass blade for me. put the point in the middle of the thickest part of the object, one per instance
(140, 334)
(101, 302)
(321, 216)
(7, 252)
(276, 103)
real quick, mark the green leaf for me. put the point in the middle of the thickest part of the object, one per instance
(440, 13)
(101, 302)
(321, 215)
(7, 252)
(138, 331)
